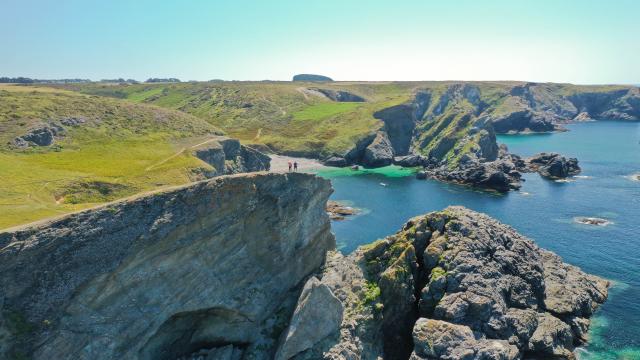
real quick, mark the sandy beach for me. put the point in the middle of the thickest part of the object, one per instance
(280, 163)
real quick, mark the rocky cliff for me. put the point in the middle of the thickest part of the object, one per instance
(227, 156)
(206, 267)
(457, 284)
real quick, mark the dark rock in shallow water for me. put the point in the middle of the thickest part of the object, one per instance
(501, 175)
(339, 211)
(409, 160)
(592, 221)
(458, 284)
(311, 77)
(553, 166)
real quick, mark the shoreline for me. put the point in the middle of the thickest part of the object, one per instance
(279, 164)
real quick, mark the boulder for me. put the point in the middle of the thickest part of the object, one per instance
(43, 135)
(318, 314)
(435, 339)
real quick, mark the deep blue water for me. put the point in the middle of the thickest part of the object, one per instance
(609, 153)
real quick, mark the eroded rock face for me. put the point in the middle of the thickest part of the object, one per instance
(317, 315)
(340, 95)
(457, 284)
(227, 156)
(379, 152)
(166, 275)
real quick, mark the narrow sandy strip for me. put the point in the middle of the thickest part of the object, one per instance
(280, 163)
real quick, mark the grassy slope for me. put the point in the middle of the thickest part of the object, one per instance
(277, 114)
(123, 148)
(131, 144)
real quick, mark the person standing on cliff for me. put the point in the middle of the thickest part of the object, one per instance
(289, 166)
(295, 166)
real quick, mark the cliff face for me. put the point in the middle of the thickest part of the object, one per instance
(227, 156)
(457, 284)
(206, 265)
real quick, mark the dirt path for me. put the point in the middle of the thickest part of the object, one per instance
(181, 151)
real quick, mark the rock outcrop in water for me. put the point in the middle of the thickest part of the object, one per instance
(243, 267)
(211, 267)
(553, 165)
(457, 284)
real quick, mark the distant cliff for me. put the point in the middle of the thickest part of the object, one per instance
(311, 77)
(163, 275)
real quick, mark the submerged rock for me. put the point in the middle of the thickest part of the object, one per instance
(592, 221)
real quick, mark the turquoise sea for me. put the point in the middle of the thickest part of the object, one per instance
(609, 154)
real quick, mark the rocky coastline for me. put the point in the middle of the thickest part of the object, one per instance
(245, 267)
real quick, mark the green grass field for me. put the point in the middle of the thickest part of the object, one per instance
(122, 149)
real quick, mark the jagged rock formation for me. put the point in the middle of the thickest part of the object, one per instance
(553, 165)
(311, 77)
(204, 267)
(457, 284)
(317, 315)
(339, 95)
(534, 107)
(227, 156)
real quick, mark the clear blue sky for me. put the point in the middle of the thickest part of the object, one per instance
(579, 41)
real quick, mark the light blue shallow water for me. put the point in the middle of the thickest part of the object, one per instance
(609, 153)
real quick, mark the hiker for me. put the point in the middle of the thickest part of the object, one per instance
(295, 166)
(289, 166)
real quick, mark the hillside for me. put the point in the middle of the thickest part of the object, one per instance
(313, 119)
(62, 151)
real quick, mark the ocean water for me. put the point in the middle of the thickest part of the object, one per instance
(609, 154)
